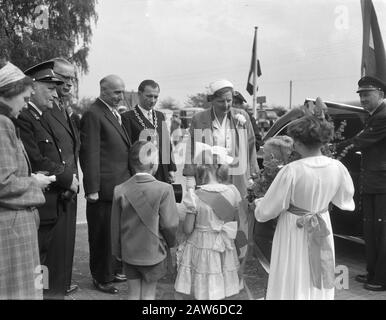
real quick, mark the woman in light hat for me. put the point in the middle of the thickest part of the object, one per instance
(224, 126)
(20, 193)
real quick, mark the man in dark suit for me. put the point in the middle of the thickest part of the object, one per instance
(104, 158)
(69, 144)
(75, 118)
(44, 149)
(145, 123)
(371, 141)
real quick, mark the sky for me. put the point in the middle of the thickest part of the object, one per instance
(186, 44)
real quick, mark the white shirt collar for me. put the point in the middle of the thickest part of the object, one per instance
(107, 105)
(36, 108)
(145, 112)
(143, 174)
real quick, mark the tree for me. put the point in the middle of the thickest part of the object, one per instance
(83, 104)
(37, 30)
(198, 100)
(169, 103)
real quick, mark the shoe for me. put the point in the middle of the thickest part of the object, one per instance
(374, 287)
(118, 277)
(72, 289)
(105, 287)
(362, 278)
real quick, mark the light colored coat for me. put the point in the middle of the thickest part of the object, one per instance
(144, 220)
(243, 142)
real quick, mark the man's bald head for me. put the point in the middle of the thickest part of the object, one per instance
(112, 89)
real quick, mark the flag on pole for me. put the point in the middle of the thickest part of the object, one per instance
(252, 69)
(373, 50)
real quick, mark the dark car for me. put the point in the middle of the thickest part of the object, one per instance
(346, 224)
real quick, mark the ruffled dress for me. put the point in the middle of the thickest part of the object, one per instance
(207, 261)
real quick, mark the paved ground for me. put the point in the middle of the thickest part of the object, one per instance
(348, 254)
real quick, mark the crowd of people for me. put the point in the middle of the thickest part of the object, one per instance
(132, 217)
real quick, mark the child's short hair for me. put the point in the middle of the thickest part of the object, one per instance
(143, 156)
(283, 145)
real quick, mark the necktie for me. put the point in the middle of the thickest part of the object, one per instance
(61, 107)
(118, 116)
(149, 116)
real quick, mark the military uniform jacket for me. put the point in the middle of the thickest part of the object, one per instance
(104, 152)
(135, 123)
(45, 155)
(66, 134)
(372, 143)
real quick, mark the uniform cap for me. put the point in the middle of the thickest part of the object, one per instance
(369, 83)
(43, 72)
(238, 96)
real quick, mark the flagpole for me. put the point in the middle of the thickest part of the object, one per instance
(255, 76)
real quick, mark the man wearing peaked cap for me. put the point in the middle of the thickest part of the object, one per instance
(46, 154)
(369, 83)
(238, 103)
(43, 72)
(371, 141)
(69, 144)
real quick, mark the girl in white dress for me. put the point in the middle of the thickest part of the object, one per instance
(207, 261)
(302, 259)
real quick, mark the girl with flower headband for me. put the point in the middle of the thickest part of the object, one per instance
(207, 261)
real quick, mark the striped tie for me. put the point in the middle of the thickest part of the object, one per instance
(118, 116)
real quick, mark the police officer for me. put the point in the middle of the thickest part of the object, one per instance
(69, 143)
(45, 154)
(371, 141)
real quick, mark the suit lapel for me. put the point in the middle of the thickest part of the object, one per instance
(234, 131)
(147, 123)
(109, 115)
(58, 115)
(45, 124)
(40, 118)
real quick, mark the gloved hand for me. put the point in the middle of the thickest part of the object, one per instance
(190, 182)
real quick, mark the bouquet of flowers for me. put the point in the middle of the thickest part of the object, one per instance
(277, 153)
(262, 180)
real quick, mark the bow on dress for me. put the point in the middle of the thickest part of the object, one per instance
(226, 234)
(319, 249)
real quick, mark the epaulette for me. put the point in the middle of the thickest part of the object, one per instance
(34, 114)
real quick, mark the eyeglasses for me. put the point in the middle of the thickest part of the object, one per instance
(67, 78)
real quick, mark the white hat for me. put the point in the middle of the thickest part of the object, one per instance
(10, 73)
(219, 84)
(220, 152)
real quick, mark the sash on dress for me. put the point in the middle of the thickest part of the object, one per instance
(227, 213)
(319, 249)
(146, 213)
